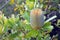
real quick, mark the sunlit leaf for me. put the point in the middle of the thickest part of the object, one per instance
(30, 4)
(32, 33)
(5, 21)
(32, 0)
(1, 29)
(41, 1)
(15, 9)
(12, 1)
(0, 17)
(48, 27)
(26, 16)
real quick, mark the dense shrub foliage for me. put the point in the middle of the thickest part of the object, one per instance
(15, 20)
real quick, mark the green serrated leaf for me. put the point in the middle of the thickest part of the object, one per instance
(32, 33)
(28, 27)
(47, 24)
(47, 27)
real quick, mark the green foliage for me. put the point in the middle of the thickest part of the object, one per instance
(20, 27)
(26, 15)
(32, 33)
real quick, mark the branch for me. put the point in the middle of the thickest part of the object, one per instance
(50, 19)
